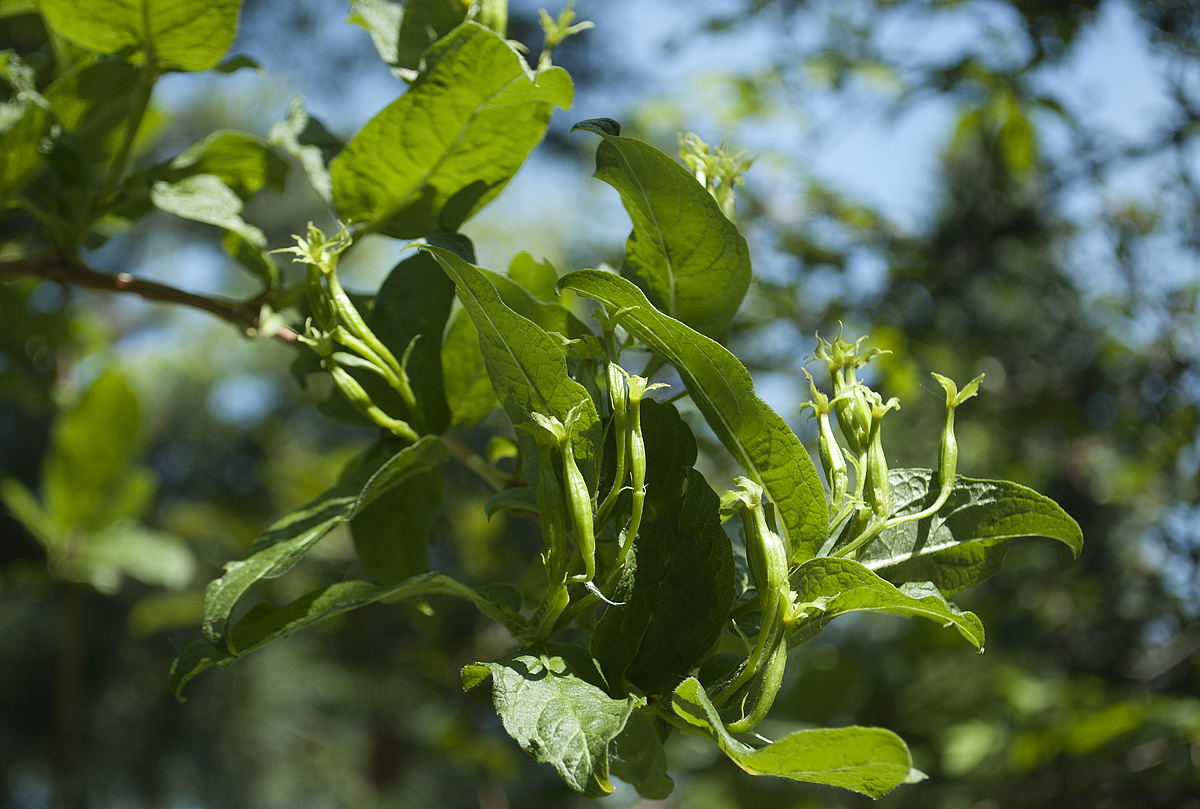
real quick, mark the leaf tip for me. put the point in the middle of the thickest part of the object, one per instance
(604, 127)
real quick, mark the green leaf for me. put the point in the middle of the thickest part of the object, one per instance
(837, 586)
(239, 62)
(721, 387)
(527, 367)
(29, 512)
(551, 316)
(265, 623)
(638, 758)
(290, 538)
(444, 149)
(389, 534)
(536, 277)
(872, 761)
(90, 454)
(673, 597)
(670, 454)
(23, 121)
(125, 548)
(402, 34)
(210, 182)
(93, 101)
(983, 513)
(183, 34)
(469, 392)
(687, 257)
(307, 139)
(551, 702)
(519, 498)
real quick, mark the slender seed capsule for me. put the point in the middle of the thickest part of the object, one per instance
(878, 494)
(948, 451)
(833, 463)
(637, 387)
(618, 396)
(853, 403)
(549, 434)
(361, 401)
(579, 500)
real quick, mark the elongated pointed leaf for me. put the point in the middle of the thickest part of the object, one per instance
(673, 597)
(684, 254)
(980, 513)
(638, 758)
(182, 34)
(872, 761)
(265, 623)
(289, 539)
(721, 387)
(527, 367)
(444, 149)
(551, 702)
(536, 277)
(838, 586)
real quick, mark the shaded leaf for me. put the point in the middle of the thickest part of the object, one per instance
(290, 538)
(265, 623)
(722, 389)
(684, 254)
(872, 761)
(519, 498)
(469, 392)
(389, 534)
(444, 149)
(838, 586)
(125, 548)
(535, 277)
(638, 758)
(551, 702)
(980, 512)
(673, 596)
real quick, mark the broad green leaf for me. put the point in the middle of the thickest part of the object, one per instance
(424, 23)
(382, 19)
(519, 498)
(265, 623)
(91, 451)
(638, 758)
(673, 597)
(552, 703)
(469, 392)
(536, 277)
(13, 8)
(444, 149)
(125, 548)
(982, 513)
(872, 761)
(389, 534)
(205, 198)
(307, 139)
(837, 586)
(721, 387)
(93, 101)
(527, 367)
(290, 538)
(670, 454)
(243, 162)
(181, 34)
(687, 257)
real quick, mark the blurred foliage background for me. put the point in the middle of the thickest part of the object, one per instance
(1008, 187)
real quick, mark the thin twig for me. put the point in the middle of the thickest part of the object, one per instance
(64, 270)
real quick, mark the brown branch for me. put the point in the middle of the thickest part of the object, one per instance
(63, 270)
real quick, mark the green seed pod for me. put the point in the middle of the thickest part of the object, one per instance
(579, 500)
(637, 387)
(877, 489)
(552, 503)
(948, 451)
(361, 401)
(618, 396)
(852, 399)
(833, 463)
